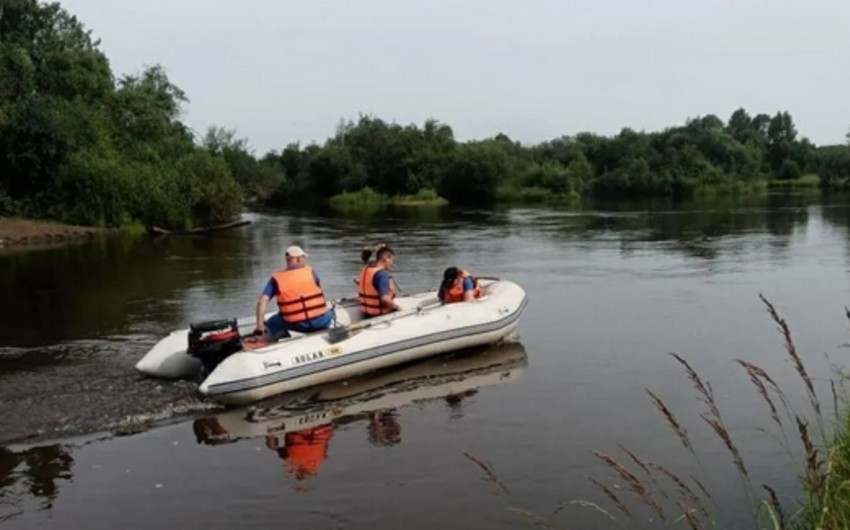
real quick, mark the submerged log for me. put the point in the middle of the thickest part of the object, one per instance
(157, 231)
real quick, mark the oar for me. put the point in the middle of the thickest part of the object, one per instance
(341, 333)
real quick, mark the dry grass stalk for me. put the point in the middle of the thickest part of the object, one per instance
(633, 482)
(581, 503)
(702, 488)
(610, 494)
(777, 508)
(792, 352)
(761, 374)
(814, 478)
(533, 518)
(690, 515)
(643, 465)
(757, 377)
(680, 484)
(721, 432)
(491, 473)
(703, 387)
(715, 421)
(674, 423)
(834, 397)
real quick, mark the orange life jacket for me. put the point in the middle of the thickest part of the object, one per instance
(299, 298)
(306, 450)
(455, 294)
(370, 298)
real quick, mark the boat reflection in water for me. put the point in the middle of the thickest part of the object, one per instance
(299, 426)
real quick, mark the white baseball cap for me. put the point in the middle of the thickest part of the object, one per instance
(295, 252)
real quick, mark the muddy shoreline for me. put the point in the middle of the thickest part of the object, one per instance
(15, 232)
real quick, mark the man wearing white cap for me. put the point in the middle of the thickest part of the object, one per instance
(300, 300)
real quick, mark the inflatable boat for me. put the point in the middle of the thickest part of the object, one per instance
(449, 377)
(236, 369)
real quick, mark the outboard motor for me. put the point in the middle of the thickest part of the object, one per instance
(213, 341)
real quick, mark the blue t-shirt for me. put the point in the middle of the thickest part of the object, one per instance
(468, 285)
(271, 290)
(381, 281)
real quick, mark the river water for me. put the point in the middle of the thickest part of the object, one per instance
(613, 289)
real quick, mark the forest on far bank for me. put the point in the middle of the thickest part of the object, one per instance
(81, 145)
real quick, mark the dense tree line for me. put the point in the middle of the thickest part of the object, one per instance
(705, 153)
(81, 145)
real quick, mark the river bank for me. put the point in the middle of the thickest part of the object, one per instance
(16, 232)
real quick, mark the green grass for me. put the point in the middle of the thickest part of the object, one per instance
(737, 187)
(364, 198)
(510, 193)
(425, 197)
(133, 228)
(809, 180)
(367, 198)
(827, 505)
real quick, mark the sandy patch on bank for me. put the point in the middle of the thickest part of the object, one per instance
(25, 232)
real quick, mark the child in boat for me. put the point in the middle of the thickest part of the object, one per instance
(369, 257)
(376, 288)
(458, 286)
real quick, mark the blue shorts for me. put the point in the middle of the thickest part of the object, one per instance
(279, 328)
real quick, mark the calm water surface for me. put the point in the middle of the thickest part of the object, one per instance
(86, 443)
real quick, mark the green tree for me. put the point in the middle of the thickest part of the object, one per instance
(781, 134)
(474, 174)
(257, 179)
(209, 190)
(741, 125)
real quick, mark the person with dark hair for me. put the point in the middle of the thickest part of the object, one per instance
(458, 286)
(366, 256)
(366, 253)
(376, 289)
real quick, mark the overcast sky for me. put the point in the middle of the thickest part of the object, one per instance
(289, 70)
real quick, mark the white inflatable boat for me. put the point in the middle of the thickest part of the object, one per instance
(452, 377)
(238, 370)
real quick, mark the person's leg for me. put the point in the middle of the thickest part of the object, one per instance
(318, 323)
(276, 327)
(324, 321)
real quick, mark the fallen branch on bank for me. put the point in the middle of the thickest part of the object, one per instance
(157, 231)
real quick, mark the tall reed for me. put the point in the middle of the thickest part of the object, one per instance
(824, 463)
(825, 473)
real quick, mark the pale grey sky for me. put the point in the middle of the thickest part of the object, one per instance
(289, 70)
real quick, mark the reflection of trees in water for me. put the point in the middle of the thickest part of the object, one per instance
(335, 240)
(37, 469)
(357, 223)
(118, 283)
(836, 213)
(107, 280)
(704, 230)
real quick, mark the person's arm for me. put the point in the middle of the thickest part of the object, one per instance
(383, 280)
(262, 303)
(468, 288)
